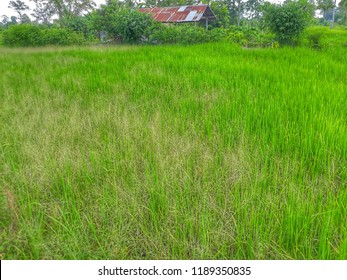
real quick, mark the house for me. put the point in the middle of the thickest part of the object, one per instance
(181, 14)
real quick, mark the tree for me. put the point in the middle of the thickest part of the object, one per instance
(80, 24)
(45, 9)
(5, 20)
(343, 11)
(166, 3)
(19, 6)
(13, 20)
(121, 22)
(239, 9)
(325, 6)
(25, 19)
(222, 14)
(288, 20)
(131, 26)
(72, 7)
(102, 19)
(253, 8)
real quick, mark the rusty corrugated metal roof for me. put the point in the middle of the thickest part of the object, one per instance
(180, 14)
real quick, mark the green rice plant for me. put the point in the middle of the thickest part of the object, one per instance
(205, 151)
(319, 37)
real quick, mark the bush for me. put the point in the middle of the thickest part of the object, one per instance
(128, 26)
(189, 34)
(249, 37)
(315, 37)
(320, 37)
(61, 37)
(23, 35)
(288, 20)
(186, 34)
(31, 35)
(132, 26)
(79, 24)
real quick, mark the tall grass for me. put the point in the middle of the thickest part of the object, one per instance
(198, 152)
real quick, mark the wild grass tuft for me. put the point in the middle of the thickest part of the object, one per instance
(173, 152)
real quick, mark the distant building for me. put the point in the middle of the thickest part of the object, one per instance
(181, 14)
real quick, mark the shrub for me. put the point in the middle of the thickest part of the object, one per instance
(249, 37)
(314, 37)
(164, 35)
(61, 37)
(288, 20)
(128, 26)
(79, 24)
(31, 35)
(320, 37)
(23, 35)
(185, 34)
(189, 34)
(218, 34)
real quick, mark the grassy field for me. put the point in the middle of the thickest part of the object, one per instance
(173, 152)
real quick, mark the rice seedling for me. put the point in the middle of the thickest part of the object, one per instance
(173, 152)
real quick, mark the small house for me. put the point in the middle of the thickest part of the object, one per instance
(182, 14)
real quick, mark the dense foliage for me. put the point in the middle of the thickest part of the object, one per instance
(189, 34)
(320, 37)
(31, 35)
(185, 34)
(129, 26)
(80, 24)
(288, 20)
(249, 23)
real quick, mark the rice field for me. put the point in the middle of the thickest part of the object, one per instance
(173, 152)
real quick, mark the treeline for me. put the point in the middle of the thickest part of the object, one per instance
(75, 22)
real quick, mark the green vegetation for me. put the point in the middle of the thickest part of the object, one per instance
(288, 20)
(208, 151)
(31, 35)
(127, 25)
(249, 23)
(173, 152)
(322, 37)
